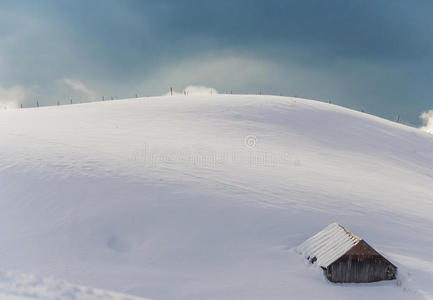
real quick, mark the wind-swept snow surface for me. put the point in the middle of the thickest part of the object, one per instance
(15, 286)
(205, 197)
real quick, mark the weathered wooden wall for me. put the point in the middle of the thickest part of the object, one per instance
(354, 268)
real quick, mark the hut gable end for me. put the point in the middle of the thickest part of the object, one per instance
(362, 248)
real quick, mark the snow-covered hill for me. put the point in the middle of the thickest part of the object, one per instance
(205, 197)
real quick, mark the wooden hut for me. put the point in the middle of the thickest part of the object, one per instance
(344, 257)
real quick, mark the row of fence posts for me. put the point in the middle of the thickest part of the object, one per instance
(136, 96)
(397, 119)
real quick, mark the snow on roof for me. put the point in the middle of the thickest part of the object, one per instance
(328, 245)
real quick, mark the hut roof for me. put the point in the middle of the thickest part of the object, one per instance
(328, 245)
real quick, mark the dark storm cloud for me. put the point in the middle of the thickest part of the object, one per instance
(361, 29)
(363, 54)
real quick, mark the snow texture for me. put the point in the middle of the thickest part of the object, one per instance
(16, 286)
(208, 196)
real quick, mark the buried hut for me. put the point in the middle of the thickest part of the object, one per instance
(344, 257)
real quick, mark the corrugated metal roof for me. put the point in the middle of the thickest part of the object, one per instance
(328, 245)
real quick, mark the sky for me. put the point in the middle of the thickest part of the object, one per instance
(375, 56)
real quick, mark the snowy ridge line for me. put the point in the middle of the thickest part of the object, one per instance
(328, 245)
(14, 285)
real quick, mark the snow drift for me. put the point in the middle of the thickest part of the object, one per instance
(194, 90)
(205, 197)
(16, 286)
(427, 119)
